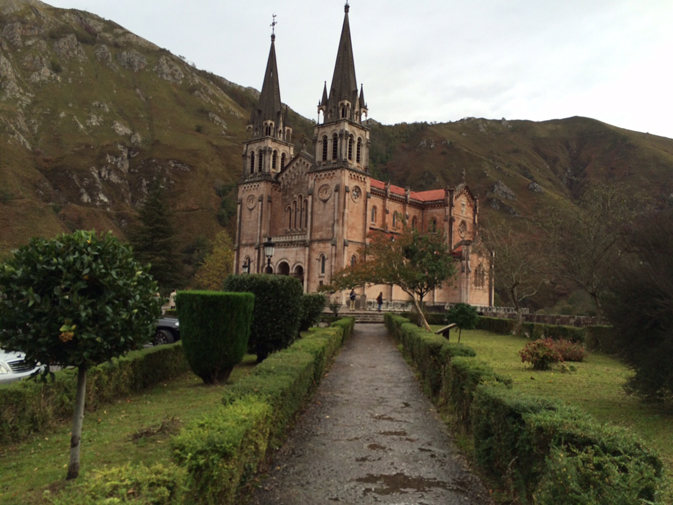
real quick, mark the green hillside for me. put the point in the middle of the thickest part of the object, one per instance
(91, 115)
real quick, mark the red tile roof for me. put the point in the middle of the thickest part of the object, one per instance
(422, 196)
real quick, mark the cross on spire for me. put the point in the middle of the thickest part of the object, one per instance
(273, 27)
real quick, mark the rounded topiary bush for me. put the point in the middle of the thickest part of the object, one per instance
(312, 306)
(278, 310)
(214, 328)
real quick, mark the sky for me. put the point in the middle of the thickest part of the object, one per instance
(434, 60)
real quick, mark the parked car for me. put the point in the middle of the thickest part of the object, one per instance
(167, 331)
(13, 366)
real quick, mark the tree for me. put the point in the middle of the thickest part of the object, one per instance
(217, 264)
(76, 300)
(416, 262)
(465, 316)
(520, 265)
(153, 240)
(587, 239)
(640, 306)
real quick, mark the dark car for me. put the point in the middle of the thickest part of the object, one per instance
(167, 331)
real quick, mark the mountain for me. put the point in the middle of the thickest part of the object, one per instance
(92, 115)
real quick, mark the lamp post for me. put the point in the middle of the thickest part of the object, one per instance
(268, 252)
(246, 266)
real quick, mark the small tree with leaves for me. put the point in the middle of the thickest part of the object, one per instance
(76, 300)
(416, 262)
(464, 315)
(217, 264)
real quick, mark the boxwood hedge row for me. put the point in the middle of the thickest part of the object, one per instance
(28, 407)
(537, 449)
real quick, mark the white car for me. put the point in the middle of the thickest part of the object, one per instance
(13, 367)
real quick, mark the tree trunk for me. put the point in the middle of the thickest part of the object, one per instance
(420, 312)
(77, 419)
(519, 315)
(599, 308)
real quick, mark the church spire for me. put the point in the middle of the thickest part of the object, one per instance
(344, 84)
(270, 108)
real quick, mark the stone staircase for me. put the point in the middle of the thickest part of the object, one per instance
(363, 316)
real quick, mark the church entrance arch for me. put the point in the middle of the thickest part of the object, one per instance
(283, 268)
(299, 273)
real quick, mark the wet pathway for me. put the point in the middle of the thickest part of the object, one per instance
(369, 436)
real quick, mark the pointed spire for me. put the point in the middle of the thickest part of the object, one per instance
(344, 83)
(363, 104)
(323, 101)
(270, 107)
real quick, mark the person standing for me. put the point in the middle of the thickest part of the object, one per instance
(379, 300)
(352, 297)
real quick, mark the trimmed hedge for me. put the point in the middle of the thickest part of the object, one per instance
(28, 406)
(214, 329)
(537, 449)
(519, 439)
(496, 325)
(312, 306)
(599, 338)
(222, 452)
(278, 310)
(430, 317)
(534, 330)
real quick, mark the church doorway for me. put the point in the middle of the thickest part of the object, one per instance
(283, 268)
(299, 273)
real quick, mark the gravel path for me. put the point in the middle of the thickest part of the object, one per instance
(369, 436)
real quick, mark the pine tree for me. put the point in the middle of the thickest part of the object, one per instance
(153, 240)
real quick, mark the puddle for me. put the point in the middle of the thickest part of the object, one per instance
(402, 484)
(400, 433)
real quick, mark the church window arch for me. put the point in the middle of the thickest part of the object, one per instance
(289, 216)
(282, 161)
(358, 151)
(323, 264)
(260, 163)
(274, 160)
(301, 211)
(305, 214)
(252, 162)
(324, 148)
(414, 222)
(374, 214)
(295, 214)
(480, 277)
(335, 146)
(350, 147)
(433, 225)
(354, 260)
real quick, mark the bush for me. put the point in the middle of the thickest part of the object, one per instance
(464, 315)
(599, 338)
(541, 354)
(569, 351)
(214, 328)
(29, 407)
(496, 325)
(312, 306)
(222, 451)
(278, 310)
(138, 484)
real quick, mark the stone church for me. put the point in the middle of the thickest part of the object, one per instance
(318, 208)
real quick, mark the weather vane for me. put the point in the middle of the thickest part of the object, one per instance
(273, 25)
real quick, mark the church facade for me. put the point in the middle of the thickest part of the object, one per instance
(319, 208)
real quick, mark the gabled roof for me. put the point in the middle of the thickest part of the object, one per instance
(420, 196)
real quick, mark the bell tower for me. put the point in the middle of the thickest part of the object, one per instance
(268, 148)
(341, 139)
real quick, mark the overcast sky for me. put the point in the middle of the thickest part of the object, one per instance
(434, 60)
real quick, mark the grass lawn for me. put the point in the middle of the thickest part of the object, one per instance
(131, 430)
(595, 386)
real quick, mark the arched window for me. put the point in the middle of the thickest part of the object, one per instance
(289, 216)
(252, 162)
(324, 148)
(414, 222)
(374, 214)
(433, 225)
(282, 161)
(394, 219)
(358, 155)
(343, 111)
(354, 260)
(274, 159)
(323, 264)
(479, 277)
(261, 162)
(335, 146)
(350, 147)
(295, 214)
(301, 211)
(305, 214)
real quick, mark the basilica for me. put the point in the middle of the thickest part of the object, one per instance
(318, 208)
